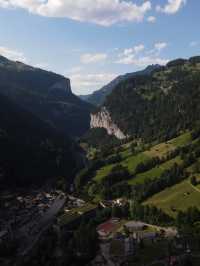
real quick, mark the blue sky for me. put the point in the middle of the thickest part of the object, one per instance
(93, 41)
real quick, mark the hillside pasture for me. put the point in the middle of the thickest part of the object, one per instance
(155, 172)
(177, 198)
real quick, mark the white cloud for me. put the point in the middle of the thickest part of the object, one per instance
(134, 57)
(151, 19)
(93, 58)
(102, 12)
(12, 54)
(128, 51)
(172, 6)
(138, 48)
(159, 46)
(194, 44)
(142, 61)
(89, 82)
(135, 50)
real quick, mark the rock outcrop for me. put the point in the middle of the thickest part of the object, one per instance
(62, 86)
(103, 119)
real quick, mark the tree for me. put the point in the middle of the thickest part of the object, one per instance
(86, 241)
(193, 181)
(133, 148)
(116, 212)
(197, 167)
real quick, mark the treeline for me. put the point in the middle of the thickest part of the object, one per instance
(169, 178)
(89, 172)
(147, 165)
(149, 214)
(83, 245)
(99, 139)
(188, 223)
(114, 185)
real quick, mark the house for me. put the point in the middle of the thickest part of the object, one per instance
(134, 226)
(119, 202)
(106, 229)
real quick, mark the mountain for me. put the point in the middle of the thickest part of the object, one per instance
(31, 151)
(45, 94)
(155, 106)
(99, 96)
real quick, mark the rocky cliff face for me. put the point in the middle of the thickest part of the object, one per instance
(63, 85)
(103, 119)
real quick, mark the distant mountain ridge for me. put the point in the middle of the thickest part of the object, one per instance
(155, 106)
(98, 97)
(45, 94)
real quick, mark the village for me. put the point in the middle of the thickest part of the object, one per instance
(25, 216)
(122, 241)
(128, 242)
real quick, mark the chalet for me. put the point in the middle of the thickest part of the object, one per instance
(106, 229)
(134, 226)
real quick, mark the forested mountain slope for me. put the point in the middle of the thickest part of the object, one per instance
(98, 97)
(31, 151)
(157, 106)
(45, 94)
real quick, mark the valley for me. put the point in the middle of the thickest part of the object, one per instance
(99, 133)
(128, 186)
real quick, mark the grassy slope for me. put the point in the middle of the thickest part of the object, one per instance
(171, 200)
(179, 197)
(155, 172)
(131, 161)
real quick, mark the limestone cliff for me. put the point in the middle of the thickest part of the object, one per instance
(103, 119)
